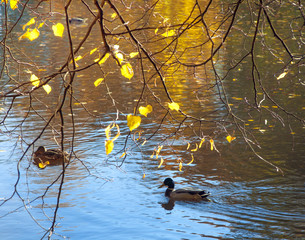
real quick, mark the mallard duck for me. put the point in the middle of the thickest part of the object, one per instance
(184, 193)
(44, 157)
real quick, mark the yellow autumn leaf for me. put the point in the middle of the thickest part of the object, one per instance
(58, 29)
(230, 138)
(156, 30)
(174, 106)
(13, 4)
(78, 58)
(118, 134)
(32, 21)
(109, 146)
(127, 71)
(282, 75)
(212, 144)
(47, 88)
(93, 50)
(188, 146)
(40, 25)
(202, 141)
(104, 58)
(31, 34)
(161, 162)
(119, 56)
(35, 80)
(133, 122)
(98, 81)
(123, 155)
(191, 160)
(145, 110)
(180, 166)
(133, 54)
(143, 175)
(195, 149)
(108, 129)
(158, 151)
(169, 33)
(113, 15)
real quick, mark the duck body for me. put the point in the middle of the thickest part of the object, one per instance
(188, 193)
(49, 157)
(78, 20)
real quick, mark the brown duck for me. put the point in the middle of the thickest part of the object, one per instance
(188, 193)
(44, 157)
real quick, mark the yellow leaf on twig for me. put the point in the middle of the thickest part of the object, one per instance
(47, 88)
(133, 54)
(98, 81)
(174, 106)
(281, 75)
(32, 21)
(109, 146)
(133, 122)
(180, 166)
(31, 34)
(13, 4)
(191, 160)
(202, 141)
(127, 71)
(145, 110)
(58, 29)
(35, 80)
(169, 33)
(230, 138)
(212, 144)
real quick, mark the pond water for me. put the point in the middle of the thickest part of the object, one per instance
(103, 197)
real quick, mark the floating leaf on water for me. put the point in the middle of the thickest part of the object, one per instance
(104, 58)
(113, 15)
(58, 29)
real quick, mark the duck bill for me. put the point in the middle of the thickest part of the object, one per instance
(162, 185)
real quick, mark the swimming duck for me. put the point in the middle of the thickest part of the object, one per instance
(184, 193)
(44, 157)
(78, 20)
